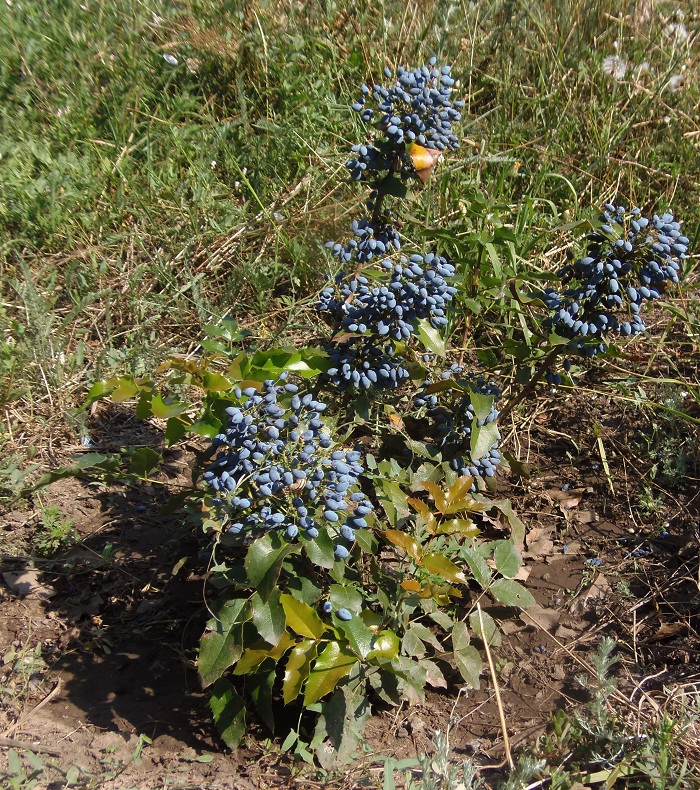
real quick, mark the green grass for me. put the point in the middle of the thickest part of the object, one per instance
(141, 200)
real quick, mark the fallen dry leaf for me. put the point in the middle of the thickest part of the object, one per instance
(544, 618)
(27, 583)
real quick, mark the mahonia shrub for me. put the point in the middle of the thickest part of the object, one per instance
(629, 259)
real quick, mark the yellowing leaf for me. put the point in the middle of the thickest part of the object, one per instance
(301, 618)
(386, 645)
(411, 585)
(254, 656)
(437, 494)
(434, 562)
(332, 665)
(458, 526)
(409, 544)
(425, 513)
(297, 669)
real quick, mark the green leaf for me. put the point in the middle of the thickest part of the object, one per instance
(434, 562)
(175, 429)
(412, 645)
(221, 644)
(268, 617)
(458, 526)
(511, 593)
(297, 669)
(430, 338)
(124, 389)
(259, 685)
(386, 646)
(86, 464)
(360, 638)
(215, 382)
(478, 567)
(426, 635)
(483, 439)
(263, 562)
(320, 550)
(229, 713)
(334, 663)
(339, 728)
(345, 597)
(302, 619)
(517, 528)
(254, 656)
(482, 404)
(491, 632)
(519, 467)
(468, 663)
(163, 410)
(460, 636)
(144, 461)
(507, 558)
(393, 499)
(392, 185)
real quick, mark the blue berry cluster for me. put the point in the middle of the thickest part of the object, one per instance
(453, 417)
(416, 108)
(275, 469)
(629, 260)
(371, 238)
(381, 310)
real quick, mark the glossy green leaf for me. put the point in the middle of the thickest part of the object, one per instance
(426, 514)
(263, 562)
(507, 558)
(175, 429)
(482, 404)
(229, 713)
(269, 617)
(320, 550)
(431, 338)
(386, 646)
(221, 644)
(259, 686)
(360, 638)
(478, 567)
(302, 619)
(297, 669)
(163, 410)
(517, 528)
(434, 562)
(334, 663)
(345, 597)
(215, 382)
(483, 439)
(124, 389)
(511, 593)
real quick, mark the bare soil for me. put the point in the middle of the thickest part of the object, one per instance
(118, 627)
